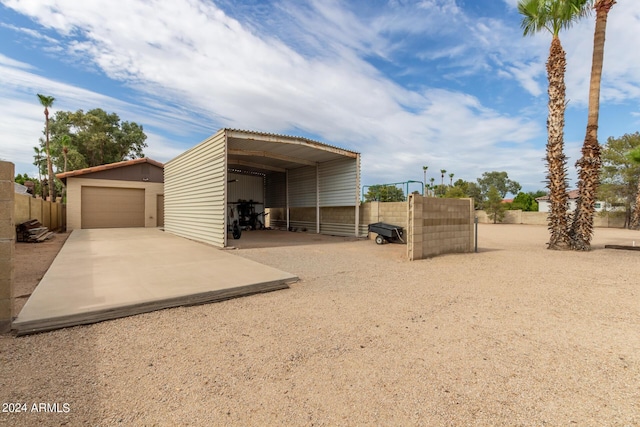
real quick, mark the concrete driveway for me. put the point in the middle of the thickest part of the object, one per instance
(104, 274)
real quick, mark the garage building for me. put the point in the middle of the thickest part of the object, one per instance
(296, 178)
(116, 195)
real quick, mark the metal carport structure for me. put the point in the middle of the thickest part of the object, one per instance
(294, 172)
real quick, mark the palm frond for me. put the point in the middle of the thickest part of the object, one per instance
(551, 15)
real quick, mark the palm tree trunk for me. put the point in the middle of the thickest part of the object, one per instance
(39, 166)
(556, 160)
(589, 164)
(635, 219)
(64, 187)
(49, 164)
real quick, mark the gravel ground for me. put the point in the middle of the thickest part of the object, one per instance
(514, 335)
(31, 261)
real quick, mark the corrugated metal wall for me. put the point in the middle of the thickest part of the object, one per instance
(194, 192)
(197, 192)
(338, 183)
(276, 190)
(302, 187)
(245, 187)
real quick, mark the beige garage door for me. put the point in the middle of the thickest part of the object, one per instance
(106, 207)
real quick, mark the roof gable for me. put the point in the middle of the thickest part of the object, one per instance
(109, 166)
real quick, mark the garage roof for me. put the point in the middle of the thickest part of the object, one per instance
(268, 152)
(100, 168)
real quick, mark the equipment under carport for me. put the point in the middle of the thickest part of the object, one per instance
(386, 232)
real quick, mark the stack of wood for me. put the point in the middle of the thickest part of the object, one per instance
(32, 231)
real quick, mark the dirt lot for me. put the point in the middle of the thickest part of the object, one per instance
(512, 335)
(31, 263)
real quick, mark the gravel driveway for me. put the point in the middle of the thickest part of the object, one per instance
(513, 335)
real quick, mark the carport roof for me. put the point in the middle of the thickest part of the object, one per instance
(268, 152)
(108, 166)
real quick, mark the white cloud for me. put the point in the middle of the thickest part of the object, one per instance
(24, 118)
(621, 71)
(192, 55)
(192, 68)
(5, 60)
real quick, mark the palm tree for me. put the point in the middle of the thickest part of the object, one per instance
(38, 163)
(47, 101)
(432, 180)
(553, 16)
(451, 179)
(635, 220)
(424, 170)
(64, 142)
(441, 189)
(589, 164)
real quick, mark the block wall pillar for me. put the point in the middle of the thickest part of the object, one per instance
(415, 227)
(7, 244)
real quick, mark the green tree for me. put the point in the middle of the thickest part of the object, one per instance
(95, 138)
(589, 164)
(65, 140)
(39, 161)
(494, 206)
(47, 102)
(525, 202)
(454, 192)
(451, 175)
(474, 191)
(464, 185)
(537, 193)
(499, 180)
(22, 178)
(442, 172)
(462, 189)
(553, 16)
(620, 175)
(384, 193)
(634, 155)
(63, 144)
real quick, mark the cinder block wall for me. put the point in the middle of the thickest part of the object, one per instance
(540, 218)
(394, 213)
(298, 218)
(439, 226)
(339, 215)
(22, 208)
(7, 244)
(277, 214)
(36, 207)
(303, 219)
(608, 221)
(302, 214)
(341, 219)
(534, 218)
(50, 214)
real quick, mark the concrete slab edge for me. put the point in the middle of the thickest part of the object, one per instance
(50, 324)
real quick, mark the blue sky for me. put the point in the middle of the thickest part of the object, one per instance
(451, 84)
